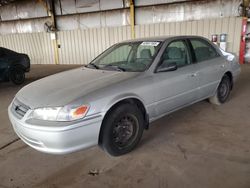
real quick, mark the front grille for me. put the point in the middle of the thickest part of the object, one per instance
(19, 109)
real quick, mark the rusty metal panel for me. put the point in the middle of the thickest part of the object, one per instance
(82, 6)
(110, 4)
(23, 26)
(83, 14)
(155, 2)
(171, 11)
(22, 10)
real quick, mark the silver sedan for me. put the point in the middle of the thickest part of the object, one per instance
(111, 100)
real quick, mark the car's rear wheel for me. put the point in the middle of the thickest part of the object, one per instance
(122, 129)
(222, 92)
(17, 75)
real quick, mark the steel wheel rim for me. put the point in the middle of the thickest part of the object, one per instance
(17, 75)
(125, 130)
(223, 91)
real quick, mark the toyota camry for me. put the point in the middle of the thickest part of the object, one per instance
(113, 99)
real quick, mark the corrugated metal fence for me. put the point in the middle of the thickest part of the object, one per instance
(37, 45)
(81, 46)
(230, 26)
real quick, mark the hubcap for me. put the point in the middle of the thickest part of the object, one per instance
(223, 90)
(124, 130)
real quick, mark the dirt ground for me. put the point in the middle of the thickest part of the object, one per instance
(203, 146)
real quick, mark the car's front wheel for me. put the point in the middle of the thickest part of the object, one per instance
(222, 92)
(17, 75)
(122, 129)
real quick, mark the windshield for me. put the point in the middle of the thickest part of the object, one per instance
(132, 56)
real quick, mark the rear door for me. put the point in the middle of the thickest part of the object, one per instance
(177, 88)
(211, 66)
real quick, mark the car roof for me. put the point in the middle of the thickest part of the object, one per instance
(7, 50)
(164, 38)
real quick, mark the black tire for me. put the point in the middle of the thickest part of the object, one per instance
(17, 75)
(222, 92)
(122, 130)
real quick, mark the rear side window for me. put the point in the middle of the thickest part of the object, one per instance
(203, 51)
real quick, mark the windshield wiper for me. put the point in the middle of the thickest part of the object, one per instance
(93, 65)
(116, 67)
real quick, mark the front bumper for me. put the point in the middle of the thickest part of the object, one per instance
(60, 139)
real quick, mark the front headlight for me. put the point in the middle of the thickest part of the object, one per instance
(69, 113)
(66, 113)
(46, 113)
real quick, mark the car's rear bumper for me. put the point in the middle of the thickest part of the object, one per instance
(58, 140)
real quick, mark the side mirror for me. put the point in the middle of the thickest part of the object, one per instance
(168, 67)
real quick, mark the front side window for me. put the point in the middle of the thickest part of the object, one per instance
(176, 52)
(202, 50)
(133, 56)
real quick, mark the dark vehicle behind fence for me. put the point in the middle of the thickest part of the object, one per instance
(13, 66)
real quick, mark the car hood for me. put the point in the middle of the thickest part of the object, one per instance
(62, 88)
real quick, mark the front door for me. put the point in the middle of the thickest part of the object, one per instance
(179, 87)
